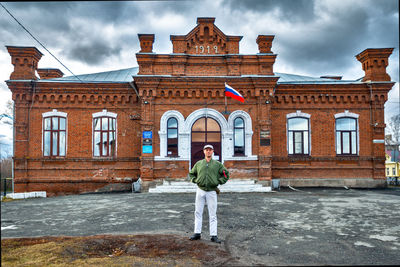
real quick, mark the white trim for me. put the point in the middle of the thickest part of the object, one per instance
(163, 134)
(347, 114)
(248, 131)
(298, 114)
(211, 113)
(185, 128)
(378, 141)
(55, 113)
(105, 113)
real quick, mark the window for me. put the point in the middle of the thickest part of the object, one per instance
(387, 172)
(346, 136)
(172, 137)
(104, 134)
(238, 140)
(298, 136)
(54, 134)
(393, 171)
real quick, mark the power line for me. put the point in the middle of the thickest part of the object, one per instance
(39, 41)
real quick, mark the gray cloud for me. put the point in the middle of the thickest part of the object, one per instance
(315, 40)
(290, 10)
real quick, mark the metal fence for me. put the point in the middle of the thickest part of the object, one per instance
(6, 185)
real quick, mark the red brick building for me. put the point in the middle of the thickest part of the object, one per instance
(102, 131)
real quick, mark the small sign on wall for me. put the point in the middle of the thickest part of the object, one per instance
(147, 149)
(265, 138)
(147, 134)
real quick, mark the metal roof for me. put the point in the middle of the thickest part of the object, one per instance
(114, 76)
(300, 79)
(125, 75)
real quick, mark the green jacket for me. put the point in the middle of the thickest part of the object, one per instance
(209, 175)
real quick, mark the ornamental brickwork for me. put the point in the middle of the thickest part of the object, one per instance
(188, 85)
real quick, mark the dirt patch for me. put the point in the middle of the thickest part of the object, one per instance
(113, 250)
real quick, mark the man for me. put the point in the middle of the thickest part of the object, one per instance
(207, 174)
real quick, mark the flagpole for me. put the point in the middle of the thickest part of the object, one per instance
(226, 111)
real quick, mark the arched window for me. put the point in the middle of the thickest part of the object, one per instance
(172, 137)
(298, 136)
(104, 134)
(54, 133)
(346, 136)
(238, 137)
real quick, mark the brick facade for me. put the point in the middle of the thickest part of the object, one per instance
(188, 84)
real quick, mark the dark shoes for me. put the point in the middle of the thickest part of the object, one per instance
(198, 236)
(195, 237)
(215, 239)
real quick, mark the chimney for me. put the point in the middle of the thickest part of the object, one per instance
(265, 43)
(25, 61)
(50, 73)
(374, 62)
(146, 43)
(332, 77)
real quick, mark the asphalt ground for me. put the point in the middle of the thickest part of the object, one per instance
(307, 227)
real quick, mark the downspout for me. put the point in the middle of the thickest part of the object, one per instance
(134, 88)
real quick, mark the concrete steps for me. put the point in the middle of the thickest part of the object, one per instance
(233, 185)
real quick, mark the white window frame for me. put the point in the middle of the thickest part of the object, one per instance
(55, 113)
(298, 114)
(105, 113)
(347, 114)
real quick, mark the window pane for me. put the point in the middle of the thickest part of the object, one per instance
(104, 123)
(172, 133)
(112, 127)
(212, 125)
(62, 143)
(290, 142)
(96, 144)
(353, 143)
(111, 147)
(55, 123)
(338, 143)
(55, 144)
(97, 124)
(172, 123)
(62, 123)
(239, 138)
(298, 144)
(347, 124)
(298, 124)
(47, 123)
(213, 137)
(198, 137)
(239, 150)
(104, 144)
(305, 139)
(346, 143)
(199, 125)
(47, 143)
(239, 123)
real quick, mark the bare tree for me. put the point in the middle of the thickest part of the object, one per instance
(393, 128)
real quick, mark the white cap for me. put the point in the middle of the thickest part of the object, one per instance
(208, 146)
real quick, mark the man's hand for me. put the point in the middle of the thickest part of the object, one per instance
(217, 190)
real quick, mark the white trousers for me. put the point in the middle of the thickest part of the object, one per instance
(202, 197)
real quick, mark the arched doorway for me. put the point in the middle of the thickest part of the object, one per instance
(205, 131)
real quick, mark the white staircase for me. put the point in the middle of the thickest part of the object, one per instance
(233, 185)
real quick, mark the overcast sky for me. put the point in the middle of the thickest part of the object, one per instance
(312, 37)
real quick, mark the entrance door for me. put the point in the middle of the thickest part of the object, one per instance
(205, 131)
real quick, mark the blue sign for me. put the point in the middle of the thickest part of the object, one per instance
(147, 134)
(147, 149)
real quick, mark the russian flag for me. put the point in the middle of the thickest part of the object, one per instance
(229, 91)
